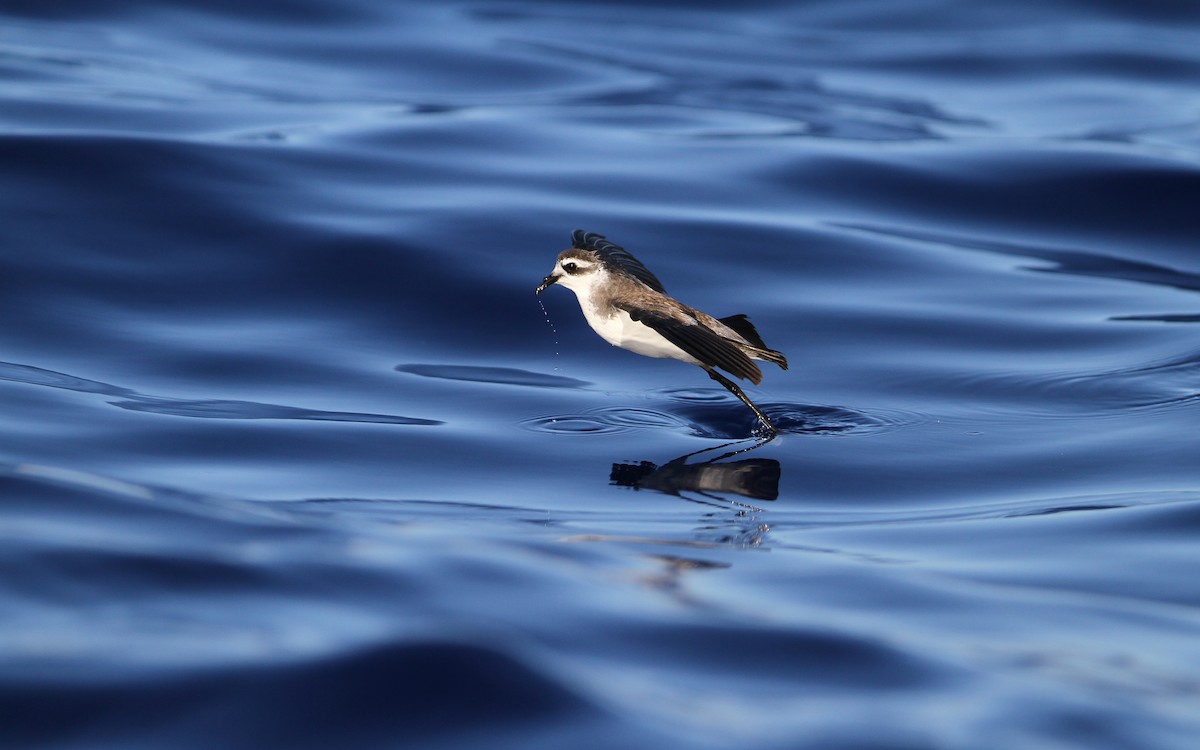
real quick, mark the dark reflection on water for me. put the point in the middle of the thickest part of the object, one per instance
(755, 478)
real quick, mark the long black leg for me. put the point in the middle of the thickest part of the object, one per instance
(733, 388)
(758, 443)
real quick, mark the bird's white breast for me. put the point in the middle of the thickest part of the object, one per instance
(619, 329)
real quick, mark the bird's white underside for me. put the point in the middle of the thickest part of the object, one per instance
(616, 326)
(619, 329)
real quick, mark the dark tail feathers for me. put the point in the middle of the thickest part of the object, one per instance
(742, 326)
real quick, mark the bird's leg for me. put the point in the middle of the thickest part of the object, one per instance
(733, 388)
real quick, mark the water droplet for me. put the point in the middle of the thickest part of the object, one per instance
(549, 322)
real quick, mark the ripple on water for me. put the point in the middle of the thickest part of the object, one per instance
(605, 420)
(713, 411)
(732, 420)
(19, 373)
(575, 424)
(497, 375)
(626, 416)
(1150, 387)
(824, 420)
(708, 413)
(199, 408)
(702, 395)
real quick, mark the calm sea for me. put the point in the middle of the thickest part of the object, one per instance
(292, 457)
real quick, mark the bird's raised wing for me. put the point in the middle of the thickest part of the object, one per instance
(617, 256)
(701, 343)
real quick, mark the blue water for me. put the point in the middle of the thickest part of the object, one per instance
(292, 457)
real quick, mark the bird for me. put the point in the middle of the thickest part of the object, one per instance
(627, 306)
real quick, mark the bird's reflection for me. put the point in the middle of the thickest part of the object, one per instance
(754, 478)
(704, 482)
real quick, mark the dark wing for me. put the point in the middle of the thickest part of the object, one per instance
(744, 328)
(701, 343)
(617, 256)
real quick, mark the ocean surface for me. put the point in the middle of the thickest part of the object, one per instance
(292, 457)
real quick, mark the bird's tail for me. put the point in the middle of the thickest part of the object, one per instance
(742, 326)
(770, 355)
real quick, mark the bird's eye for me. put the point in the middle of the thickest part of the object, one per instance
(570, 267)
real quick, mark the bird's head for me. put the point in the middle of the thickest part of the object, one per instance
(577, 269)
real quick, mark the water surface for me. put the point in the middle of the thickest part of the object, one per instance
(292, 456)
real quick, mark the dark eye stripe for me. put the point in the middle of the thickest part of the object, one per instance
(570, 267)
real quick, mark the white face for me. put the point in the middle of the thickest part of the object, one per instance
(575, 273)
